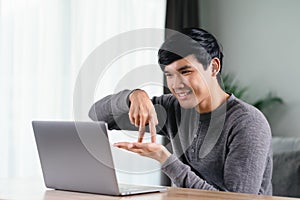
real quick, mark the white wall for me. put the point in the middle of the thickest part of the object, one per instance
(261, 44)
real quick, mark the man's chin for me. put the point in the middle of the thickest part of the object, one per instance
(186, 105)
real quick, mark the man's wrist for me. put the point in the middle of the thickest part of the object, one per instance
(134, 91)
(165, 154)
(129, 96)
(131, 93)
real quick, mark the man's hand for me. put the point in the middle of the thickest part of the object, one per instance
(141, 113)
(151, 150)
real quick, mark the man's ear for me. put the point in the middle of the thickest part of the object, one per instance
(215, 66)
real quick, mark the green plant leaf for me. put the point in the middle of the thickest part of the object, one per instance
(232, 86)
(269, 100)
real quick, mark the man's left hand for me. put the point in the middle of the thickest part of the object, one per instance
(151, 150)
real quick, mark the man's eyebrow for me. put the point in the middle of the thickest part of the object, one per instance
(184, 68)
(180, 68)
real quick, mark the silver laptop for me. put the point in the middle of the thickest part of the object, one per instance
(76, 156)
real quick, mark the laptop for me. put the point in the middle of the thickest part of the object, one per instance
(76, 156)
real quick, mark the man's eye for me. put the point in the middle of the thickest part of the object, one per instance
(185, 72)
(168, 75)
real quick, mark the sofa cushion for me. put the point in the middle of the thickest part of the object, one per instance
(285, 144)
(286, 167)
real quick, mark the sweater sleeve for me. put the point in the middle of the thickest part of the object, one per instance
(248, 155)
(114, 109)
(182, 175)
(245, 163)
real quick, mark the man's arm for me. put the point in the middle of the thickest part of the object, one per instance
(182, 175)
(113, 109)
(248, 155)
(244, 166)
(131, 110)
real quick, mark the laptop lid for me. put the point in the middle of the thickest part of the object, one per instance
(77, 156)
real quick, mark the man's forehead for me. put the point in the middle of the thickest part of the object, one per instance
(184, 63)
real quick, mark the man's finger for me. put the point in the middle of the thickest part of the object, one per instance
(142, 130)
(131, 117)
(129, 147)
(136, 120)
(123, 145)
(152, 127)
(139, 145)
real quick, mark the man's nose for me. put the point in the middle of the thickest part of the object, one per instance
(177, 82)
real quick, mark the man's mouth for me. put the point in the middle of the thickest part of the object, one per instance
(183, 94)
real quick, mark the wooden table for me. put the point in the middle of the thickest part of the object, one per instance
(35, 190)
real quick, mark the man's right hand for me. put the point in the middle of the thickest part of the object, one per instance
(142, 113)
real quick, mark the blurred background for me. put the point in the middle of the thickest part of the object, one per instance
(43, 44)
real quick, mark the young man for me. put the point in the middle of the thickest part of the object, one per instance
(219, 142)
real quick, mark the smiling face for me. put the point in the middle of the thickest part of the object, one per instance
(190, 83)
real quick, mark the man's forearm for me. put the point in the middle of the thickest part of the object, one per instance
(182, 175)
(110, 108)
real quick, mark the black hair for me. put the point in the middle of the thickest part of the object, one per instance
(190, 41)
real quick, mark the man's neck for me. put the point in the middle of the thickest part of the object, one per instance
(216, 98)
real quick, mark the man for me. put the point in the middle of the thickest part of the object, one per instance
(219, 142)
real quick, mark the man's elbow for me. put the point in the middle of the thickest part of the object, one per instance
(92, 113)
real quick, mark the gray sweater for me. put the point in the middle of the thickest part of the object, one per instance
(228, 149)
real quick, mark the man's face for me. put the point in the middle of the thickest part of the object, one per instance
(189, 82)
